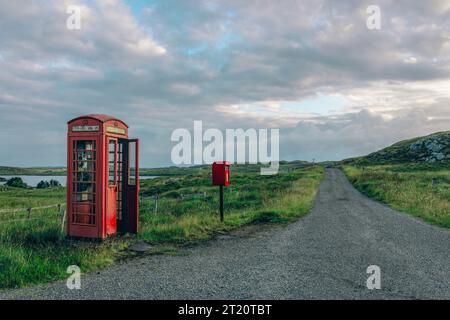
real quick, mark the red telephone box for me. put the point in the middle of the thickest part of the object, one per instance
(102, 177)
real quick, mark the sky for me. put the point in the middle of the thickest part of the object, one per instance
(313, 69)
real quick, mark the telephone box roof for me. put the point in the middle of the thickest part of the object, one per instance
(221, 162)
(99, 117)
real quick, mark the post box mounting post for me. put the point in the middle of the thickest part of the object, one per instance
(221, 178)
(221, 203)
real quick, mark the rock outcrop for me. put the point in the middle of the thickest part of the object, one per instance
(434, 148)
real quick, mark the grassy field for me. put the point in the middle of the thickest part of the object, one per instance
(35, 251)
(407, 188)
(12, 198)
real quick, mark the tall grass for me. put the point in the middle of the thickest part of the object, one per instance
(407, 188)
(251, 199)
(36, 251)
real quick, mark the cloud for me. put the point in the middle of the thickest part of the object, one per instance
(356, 134)
(312, 69)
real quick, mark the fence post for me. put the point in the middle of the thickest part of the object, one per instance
(63, 220)
(434, 183)
(29, 212)
(156, 204)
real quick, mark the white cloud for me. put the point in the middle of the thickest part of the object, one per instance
(229, 63)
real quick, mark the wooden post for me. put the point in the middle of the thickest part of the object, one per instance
(63, 220)
(29, 212)
(156, 204)
(434, 183)
(221, 203)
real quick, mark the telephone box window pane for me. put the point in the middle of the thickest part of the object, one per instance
(85, 145)
(86, 166)
(85, 155)
(112, 162)
(132, 161)
(85, 177)
(84, 213)
(111, 174)
(85, 197)
(84, 187)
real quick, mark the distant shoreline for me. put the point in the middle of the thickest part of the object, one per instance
(63, 175)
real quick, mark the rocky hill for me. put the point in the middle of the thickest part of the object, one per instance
(434, 148)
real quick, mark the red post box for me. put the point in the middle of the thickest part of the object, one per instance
(221, 178)
(102, 177)
(221, 173)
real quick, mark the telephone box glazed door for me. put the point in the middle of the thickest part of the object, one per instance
(83, 187)
(133, 186)
(123, 186)
(129, 194)
(112, 188)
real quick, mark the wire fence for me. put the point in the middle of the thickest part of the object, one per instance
(31, 214)
(155, 200)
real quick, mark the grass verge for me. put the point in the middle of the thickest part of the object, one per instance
(408, 188)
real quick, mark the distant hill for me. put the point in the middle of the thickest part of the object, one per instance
(165, 171)
(61, 171)
(434, 148)
(41, 171)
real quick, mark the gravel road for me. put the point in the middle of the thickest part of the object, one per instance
(322, 256)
